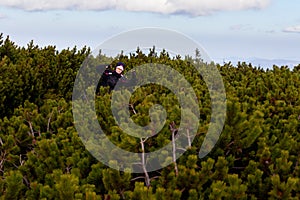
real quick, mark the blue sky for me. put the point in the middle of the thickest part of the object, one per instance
(227, 29)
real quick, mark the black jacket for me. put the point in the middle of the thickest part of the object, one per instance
(109, 78)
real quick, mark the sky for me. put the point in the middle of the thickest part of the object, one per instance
(226, 29)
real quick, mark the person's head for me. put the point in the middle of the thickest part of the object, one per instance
(120, 67)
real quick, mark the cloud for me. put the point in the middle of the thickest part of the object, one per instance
(190, 7)
(241, 27)
(292, 29)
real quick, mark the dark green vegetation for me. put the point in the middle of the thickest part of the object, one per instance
(42, 157)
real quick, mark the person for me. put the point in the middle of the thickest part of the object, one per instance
(110, 77)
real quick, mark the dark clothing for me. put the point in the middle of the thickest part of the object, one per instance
(109, 78)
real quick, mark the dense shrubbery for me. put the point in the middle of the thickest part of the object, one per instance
(42, 157)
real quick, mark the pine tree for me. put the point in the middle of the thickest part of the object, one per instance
(13, 185)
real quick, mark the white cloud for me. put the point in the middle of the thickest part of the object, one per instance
(292, 29)
(191, 7)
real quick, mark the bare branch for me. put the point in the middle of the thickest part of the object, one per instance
(147, 180)
(49, 121)
(174, 130)
(140, 177)
(26, 181)
(3, 155)
(21, 161)
(189, 137)
(59, 109)
(133, 110)
(182, 149)
(31, 128)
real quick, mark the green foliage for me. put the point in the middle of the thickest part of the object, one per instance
(13, 185)
(116, 180)
(66, 185)
(42, 156)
